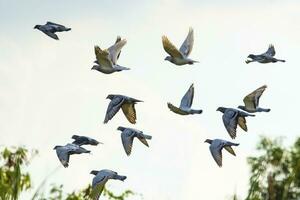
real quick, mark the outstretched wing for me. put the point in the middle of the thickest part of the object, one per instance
(251, 101)
(52, 35)
(113, 107)
(188, 43)
(187, 99)
(127, 140)
(102, 57)
(129, 111)
(54, 24)
(170, 48)
(271, 51)
(229, 149)
(115, 50)
(98, 186)
(216, 152)
(242, 123)
(230, 122)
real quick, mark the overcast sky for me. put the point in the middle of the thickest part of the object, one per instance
(48, 92)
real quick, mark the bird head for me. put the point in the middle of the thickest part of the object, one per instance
(241, 107)
(209, 141)
(36, 26)
(57, 146)
(169, 58)
(221, 109)
(94, 172)
(95, 67)
(121, 128)
(75, 137)
(251, 56)
(110, 96)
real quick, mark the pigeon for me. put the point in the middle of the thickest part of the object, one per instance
(180, 57)
(127, 136)
(233, 117)
(267, 57)
(100, 179)
(51, 28)
(64, 152)
(186, 103)
(84, 140)
(124, 102)
(216, 147)
(107, 59)
(251, 101)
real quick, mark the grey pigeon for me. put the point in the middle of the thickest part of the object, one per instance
(216, 147)
(107, 59)
(100, 179)
(267, 57)
(251, 101)
(180, 57)
(124, 102)
(185, 104)
(51, 28)
(64, 152)
(127, 136)
(233, 117)
(84, 140)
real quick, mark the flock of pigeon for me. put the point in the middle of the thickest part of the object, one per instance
(106, 62)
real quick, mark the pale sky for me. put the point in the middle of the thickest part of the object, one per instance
(48, 92)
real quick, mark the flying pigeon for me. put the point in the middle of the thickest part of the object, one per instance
(51, 28)
(127, 136)
(124, 102)
(251, 101)
(233, 117)
(216, 147)
(107, 59)
(180, 57)
(84, 140)
(64, 152)
(186, 103)
(100, 179)
(267, 57)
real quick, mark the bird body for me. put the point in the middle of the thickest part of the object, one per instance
(84, 140)
(233, 117)
(180, 57)
(51, 28)
(267, 57)
(216, 147)
(251, 101)
(100, 179)
(185, 104)
(124, 102)
(107, 59)
(64, 152)
(127, 136)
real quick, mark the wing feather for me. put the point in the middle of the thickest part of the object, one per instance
(188, 43)
(170, 48)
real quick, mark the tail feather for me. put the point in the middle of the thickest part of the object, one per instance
(148, 137)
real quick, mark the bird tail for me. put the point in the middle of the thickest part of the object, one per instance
(122, 178)
(68, 29)
(197, 111)
(148, 137)
(265, 109)
(120, 68)
(248, 61)
(280, 60)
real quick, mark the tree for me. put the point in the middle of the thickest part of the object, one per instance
(275, 174)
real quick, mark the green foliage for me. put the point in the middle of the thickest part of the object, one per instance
(275, 174)
(12, 178)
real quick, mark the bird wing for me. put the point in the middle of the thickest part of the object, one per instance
(175, 109)
(271, 51)
(52, 35)
(229, 149)
(216, 152)
(98, 186)
(113, 107)
(143, 140)
(188, 43)
(115, 50)
(187, 99)
(129, 111)
(230, 122)
(102, 57)
(118, 40)
(54, 24)
(63, 156)
(242, 123)
(170, 48)
(251, 101)
(127, 140)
